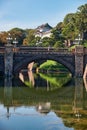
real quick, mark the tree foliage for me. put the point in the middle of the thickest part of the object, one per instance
(30, 37)
(81, 22)
(75, 23)
(19, 34)
(3, 37)
(72, 25)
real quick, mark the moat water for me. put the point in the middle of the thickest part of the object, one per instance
(43, 102)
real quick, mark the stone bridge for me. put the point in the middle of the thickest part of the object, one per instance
(14, 59)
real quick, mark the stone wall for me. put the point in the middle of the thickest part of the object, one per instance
(8, 60)
(79, 58)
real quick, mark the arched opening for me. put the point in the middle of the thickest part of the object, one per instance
(67, 62)
(48, 78)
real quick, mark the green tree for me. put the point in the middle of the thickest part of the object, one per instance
(57, 34)
(81, 19)
(3, 39)
(30, 37)
(75, 23)
(58, 44)
(20, 34)
(69, 29)
(47, 41)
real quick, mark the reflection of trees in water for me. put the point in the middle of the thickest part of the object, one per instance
(48, 81)
(78, 97)
(77, 117)
(66, 102)
(56, 80)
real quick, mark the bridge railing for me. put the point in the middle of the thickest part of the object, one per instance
(42, 49)
(26, 49)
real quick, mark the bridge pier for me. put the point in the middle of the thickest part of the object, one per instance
(79, 63)
(8, 59)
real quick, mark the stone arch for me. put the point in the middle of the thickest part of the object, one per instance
(67, 61)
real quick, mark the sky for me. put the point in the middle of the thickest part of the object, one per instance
(26, 14)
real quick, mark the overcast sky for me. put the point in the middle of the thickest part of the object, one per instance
(32, 13)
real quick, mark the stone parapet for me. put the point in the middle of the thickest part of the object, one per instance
(8, 59)
(79, 57)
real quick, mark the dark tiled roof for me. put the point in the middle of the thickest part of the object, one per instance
(44, 26)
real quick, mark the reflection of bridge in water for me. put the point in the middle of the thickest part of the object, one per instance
(15, 96)
(29, 76)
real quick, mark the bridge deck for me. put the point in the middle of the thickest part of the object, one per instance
(26, 49)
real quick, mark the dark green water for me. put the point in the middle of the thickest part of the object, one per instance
(46, 102)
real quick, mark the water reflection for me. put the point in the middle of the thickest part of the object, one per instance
(40, 80)
(31, 77)
(78, 97)
(8, 94)
(21, 76)
(44, 107)
(85, 83)
(63, 108)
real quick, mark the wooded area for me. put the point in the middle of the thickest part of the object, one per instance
(74, 26)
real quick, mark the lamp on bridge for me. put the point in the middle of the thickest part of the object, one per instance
(9, 39)
(15, 42)
(79, 38)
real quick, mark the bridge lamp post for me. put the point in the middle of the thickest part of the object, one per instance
(15, 43)
(8, 56)
(9, 39)
(79, 38)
